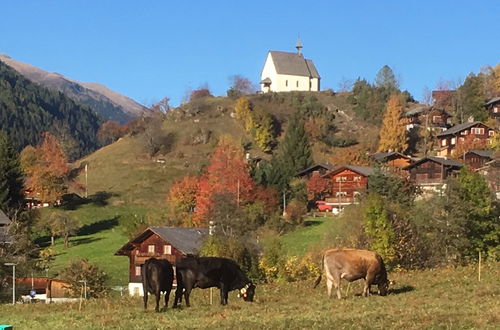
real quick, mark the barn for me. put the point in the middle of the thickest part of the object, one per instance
(169, 243)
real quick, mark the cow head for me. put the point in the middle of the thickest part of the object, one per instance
(247, 292)
(383, 288)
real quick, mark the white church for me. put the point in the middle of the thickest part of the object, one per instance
(285, 72)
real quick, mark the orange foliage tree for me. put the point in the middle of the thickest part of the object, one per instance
(227, 173)
(317, 187)
(110, 131)
(182, 198)
(47, 169)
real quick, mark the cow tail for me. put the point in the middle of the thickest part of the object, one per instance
(321, 272)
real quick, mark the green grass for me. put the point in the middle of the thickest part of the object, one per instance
(450, 298)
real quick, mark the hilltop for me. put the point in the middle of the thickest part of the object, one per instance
(107, 103)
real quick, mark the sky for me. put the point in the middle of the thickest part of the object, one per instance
(153, 49)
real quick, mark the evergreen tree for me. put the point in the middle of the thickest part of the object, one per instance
(386, 78)
(393, 131)
(11, 177)
(471, 97)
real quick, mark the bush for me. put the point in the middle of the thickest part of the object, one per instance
(82, 270)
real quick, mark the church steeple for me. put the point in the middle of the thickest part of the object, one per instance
(299, 46)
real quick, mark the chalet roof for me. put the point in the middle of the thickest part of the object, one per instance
(364, 170)
(186, 240)
(326, 167)
(492, 101)
(382, 156)
(460, 127)
(441, 161)
(482, 153)
(293, 64)
(416, 109)
(4, 220)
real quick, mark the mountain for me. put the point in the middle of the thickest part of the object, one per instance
(108, 104)
(28, 109)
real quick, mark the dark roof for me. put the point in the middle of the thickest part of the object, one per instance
(293, 64)
(442, 161)
(482, 153)
(266, 81)
(327, 167)
(493, 100)
(416, 109)
(4, 220)
(186, 240)
(381, 156)
(364, 170)
(458, 128)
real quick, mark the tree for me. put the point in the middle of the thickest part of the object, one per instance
(227, 173)
(393, 131)
(11, 177)
(110, 132)
(386, 78)
(317, 187)
(182, 198)
(59, 224)
(471, 99)
(240, 86)
(199, 93)
(378, 228)
(82, 270)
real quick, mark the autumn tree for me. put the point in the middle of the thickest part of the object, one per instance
(47, 169)
(227, 173)
(82, 270)
(393, 131)
(257, 122)
(182, 198)
(317, 187)
(11, 177)
(240, 86)
(110, 132)
(199, 93)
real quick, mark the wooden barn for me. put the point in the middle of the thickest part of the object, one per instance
(348, 182)
(493, 107)
(429, 173)
(169, 243)
(472, 133)
(477, 158)
(392, 161)
(318, 168)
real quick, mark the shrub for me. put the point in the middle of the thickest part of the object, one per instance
(82, 270)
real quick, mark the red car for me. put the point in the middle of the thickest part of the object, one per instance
(324, 206)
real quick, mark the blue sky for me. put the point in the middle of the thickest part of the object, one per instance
(151, 49)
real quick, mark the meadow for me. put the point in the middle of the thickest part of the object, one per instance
(447, 298)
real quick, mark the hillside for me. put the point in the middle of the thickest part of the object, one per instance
(125, 170)
(107, 103)
(28, 109)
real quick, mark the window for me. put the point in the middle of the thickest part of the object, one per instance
(151, 249)
(357, 179)
(496, 110)
(443, 142)
(297, 83)
(478, 130)
(463, 133)
(137, 270)
(356, 194)
(453, 141)
(461, 139)
(491, 132)
(341, 193)
(341, 178)
(167, 249)
(436, 119)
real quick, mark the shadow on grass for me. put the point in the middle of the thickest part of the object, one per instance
(309, 223)
(403, 289)
(85, 240)
(98, 226)
(74, 201)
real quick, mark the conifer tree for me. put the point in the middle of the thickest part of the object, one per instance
(393, 131)
(11, 177)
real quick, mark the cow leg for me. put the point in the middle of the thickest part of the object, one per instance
(368, 282)
(223, 294)
(167, 296)
(145, 298)
(329, 285)
(187, 293)
(157, 297)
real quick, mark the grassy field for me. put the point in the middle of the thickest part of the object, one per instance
(450, 298)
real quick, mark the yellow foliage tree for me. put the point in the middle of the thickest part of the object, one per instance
(393, 132)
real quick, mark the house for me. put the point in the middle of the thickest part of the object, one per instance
(5, 237)
(493, 107)
(429, 173)
(169, 243)
(393, 160)
(46, 289)
(285, 72)
(431, 117)
(477, 158)
(348, 182)
(320, 168)
(491, 172)
(467, 134)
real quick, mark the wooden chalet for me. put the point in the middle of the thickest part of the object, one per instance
(427, 116)
(169, 243)
(318, 168)
(429, 173)
(477, 158)
(470, 132)
(348, 182)
(491, 172)
(391, 160)
(493, 107)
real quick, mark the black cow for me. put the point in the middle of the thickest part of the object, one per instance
(206, 272)
(157, 276)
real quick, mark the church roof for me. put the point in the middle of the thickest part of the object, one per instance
(293, 64)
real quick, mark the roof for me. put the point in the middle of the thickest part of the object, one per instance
(186, 240)
(314, 167)
(416, 109)
(458, 128)
(293, 64)
(364, 170)
(442, 161)
(482, 153)
(493, 100)
(266, 81)
(381, 156)
(4, 220)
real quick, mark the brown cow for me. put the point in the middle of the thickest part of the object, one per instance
(352, 265)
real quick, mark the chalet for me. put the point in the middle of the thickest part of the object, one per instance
(348, 182)
(318, 168)
(491, 172)
(5, 238)
(285, 72)
(429, 173)
(443, 99)
(392, 160)
(169, 243)
(426, 116)
(493, 107)
(477, 158)
(472, 133)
